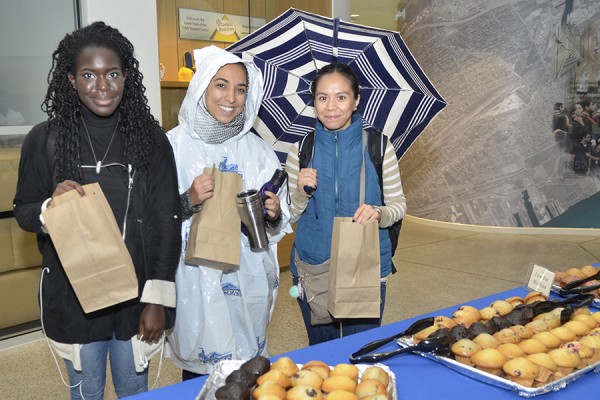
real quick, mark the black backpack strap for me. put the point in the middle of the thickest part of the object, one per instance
(377, 145)
(305, 149)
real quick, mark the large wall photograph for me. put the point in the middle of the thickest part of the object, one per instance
(521, 78)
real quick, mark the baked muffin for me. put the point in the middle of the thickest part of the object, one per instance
(564, 334)
(546, 366)
(463, 350)
(583, 351)
(515, 300)
(550, 340)
(376, 397)
(307, 377)
(317, 363)
(576, 272)
(302, 392)
(593, 342)
(596, 316)
(464, 317)
(369, 387)
(522, 331)
(377, 373)
(269, 387)
(274, 375)
(534, 296)
(485, 341)
(594, 332)
(507, 335)
(538, 325)
(588, 270)
(565, 359)
(343, 369)
(319, 367)
(579, 328)
(583, 310)
(489, 360)
(322, 371)
(474, 311)
(339, 382)
(586, 319)
(552, 318)
(520, 370)
(488, 313)
(511, 350)
(441, 321)
(531, 346)
(286, 365)
(342, 395)
(502, 306)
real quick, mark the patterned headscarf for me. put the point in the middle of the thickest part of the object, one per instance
(213, 131)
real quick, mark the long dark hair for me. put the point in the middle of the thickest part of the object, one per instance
(137, 125)
(343, 69)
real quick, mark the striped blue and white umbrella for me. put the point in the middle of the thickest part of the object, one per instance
(396, 96)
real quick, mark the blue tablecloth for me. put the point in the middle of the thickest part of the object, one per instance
(416, 376)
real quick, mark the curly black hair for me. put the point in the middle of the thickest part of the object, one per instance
(137, 125)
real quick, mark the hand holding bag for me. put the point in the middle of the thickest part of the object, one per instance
(215, 233)
(91, 248)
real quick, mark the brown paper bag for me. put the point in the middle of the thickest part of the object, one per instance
(354, 274)
(91, 248)
(215, 234)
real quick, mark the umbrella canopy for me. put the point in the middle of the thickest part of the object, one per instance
(396, 96)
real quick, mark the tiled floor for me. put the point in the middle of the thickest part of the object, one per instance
(439, 265)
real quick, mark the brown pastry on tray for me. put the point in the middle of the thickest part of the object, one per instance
(546, 366)
(521, 370)
(464, 349)
(232, 391)
(256, 365)
(511, 350)
(304, 393)
(489, 360)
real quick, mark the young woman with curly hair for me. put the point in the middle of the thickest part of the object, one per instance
(100, 129)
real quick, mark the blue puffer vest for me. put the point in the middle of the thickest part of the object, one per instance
(337, 157)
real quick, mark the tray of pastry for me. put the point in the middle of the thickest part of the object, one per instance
(296, 379)
(588, 275)
(494, 374)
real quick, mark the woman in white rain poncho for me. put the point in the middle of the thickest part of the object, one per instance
(224, 315)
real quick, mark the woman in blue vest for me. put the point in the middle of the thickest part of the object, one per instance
(330, 187)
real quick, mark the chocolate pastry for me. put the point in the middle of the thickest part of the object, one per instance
(241, 377)
(458, 332)
(257, 366)
(477, 328)
(232, 391)
(521, 315)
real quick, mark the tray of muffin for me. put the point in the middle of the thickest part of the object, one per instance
(527, 345)
(285, 379)
(576, 280)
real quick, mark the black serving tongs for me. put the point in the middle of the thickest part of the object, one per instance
(576, 288)
(363, 356)
(570, 305)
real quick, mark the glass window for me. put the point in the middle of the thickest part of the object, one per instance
(31, 31)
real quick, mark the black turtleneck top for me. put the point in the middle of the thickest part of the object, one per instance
(112, 179)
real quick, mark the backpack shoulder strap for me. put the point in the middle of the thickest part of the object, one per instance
(305, 149)
(377, 145)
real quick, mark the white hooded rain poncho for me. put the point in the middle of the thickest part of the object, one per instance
(224, 316)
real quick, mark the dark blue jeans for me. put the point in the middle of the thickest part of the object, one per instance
(338, 328)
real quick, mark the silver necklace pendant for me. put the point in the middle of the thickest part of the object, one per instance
(98, 166)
